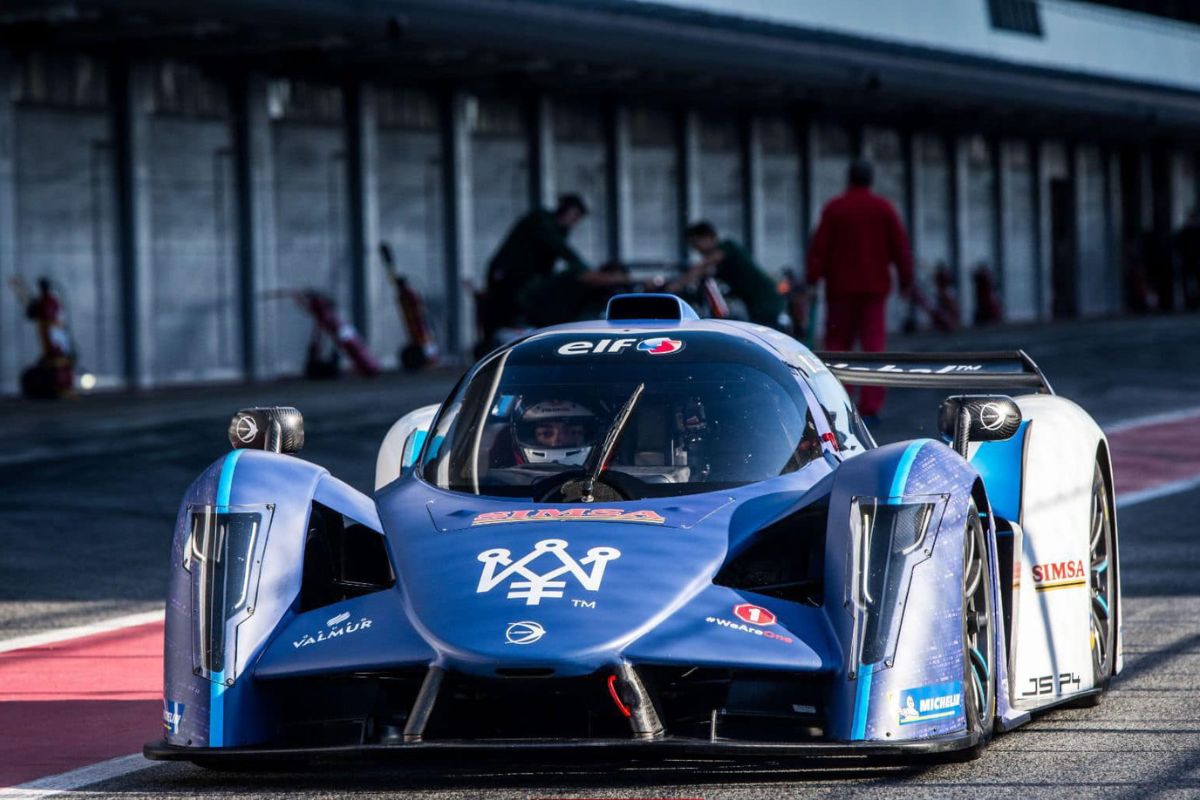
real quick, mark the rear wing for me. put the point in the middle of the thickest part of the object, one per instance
(998, 370)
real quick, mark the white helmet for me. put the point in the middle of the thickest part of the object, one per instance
(554, 431)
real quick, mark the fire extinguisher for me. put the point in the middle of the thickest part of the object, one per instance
(422, 349)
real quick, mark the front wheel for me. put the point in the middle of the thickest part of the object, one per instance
(1102, 586)
(979, 678)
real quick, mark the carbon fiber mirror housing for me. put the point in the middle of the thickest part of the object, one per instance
(978, 418)
(279, 429)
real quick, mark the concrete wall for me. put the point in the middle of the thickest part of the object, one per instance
(312, 251)
(1019, 276)
(64, 228)
(500, 175)
(720, 176)
(931, 228)
(654, 179)
(966, 198)
(779, 245)
(409, 172)
(196, 331)
(580, 167)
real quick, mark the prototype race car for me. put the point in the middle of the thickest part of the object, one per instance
(652, 532)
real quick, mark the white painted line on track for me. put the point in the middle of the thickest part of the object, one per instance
(77, 778)
(1155, 492)
(79, 631)
(1152, 419)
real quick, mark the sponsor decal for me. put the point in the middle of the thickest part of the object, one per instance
(657, 346)
(246, 429)
(949, 368)
(930, 702)
(755, 615)
(532, 587)
(567, 515)
(1059, 575)
(660, 347)
(341, 625)
(1046, 684)
(172, 715)
(738, 626)
(524, 632)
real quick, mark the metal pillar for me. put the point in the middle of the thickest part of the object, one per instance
(459, 221)
(688, 174)
(11, 317)
(542, 189)
(1040, 267)
(803, 150)
(999, 267)
(958, 238)
(908, 144)
(620, 187)
(753, 219)
(254, 176)
(614, 159)
(361, 155)
(1114, 251)
(1073, 179)
(128, 84)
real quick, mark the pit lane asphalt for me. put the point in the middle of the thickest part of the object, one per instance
(90, 489)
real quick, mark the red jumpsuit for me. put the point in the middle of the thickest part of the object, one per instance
(860, 237)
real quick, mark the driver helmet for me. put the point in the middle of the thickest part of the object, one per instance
(554, 431)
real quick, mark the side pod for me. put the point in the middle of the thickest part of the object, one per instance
(894, 589)
(236, 572)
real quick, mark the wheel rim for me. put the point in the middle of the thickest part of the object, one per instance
(977, 639)
(1101, 579)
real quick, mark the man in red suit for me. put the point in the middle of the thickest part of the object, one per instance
(859, 239)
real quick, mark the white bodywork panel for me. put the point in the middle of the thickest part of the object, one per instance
(398, 450)
(1052, 654)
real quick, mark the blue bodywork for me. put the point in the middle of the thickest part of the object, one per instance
(462, 565)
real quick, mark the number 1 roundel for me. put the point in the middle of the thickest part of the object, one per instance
(755, 615)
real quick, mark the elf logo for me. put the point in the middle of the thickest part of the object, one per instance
(660, 347)
(1059, 575)
(657, 346)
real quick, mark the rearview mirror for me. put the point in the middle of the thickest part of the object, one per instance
(978, 418)
(279, 429)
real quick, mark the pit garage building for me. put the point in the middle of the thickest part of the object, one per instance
(170, 165)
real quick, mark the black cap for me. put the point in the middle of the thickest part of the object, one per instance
(862, 172)
(568, 202)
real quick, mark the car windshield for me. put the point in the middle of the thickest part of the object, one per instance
(713, 412)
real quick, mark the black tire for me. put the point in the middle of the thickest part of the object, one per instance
(978, 636)
(1102, 587)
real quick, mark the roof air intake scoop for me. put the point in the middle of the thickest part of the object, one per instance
(652, 307)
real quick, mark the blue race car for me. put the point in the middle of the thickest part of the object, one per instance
(657, 533)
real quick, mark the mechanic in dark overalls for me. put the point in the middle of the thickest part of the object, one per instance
(523, 288)
(733, 265)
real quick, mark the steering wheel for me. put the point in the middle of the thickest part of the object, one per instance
(610, 487)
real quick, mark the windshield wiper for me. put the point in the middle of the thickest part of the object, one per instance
(600, 456)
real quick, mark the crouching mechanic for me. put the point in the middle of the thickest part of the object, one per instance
(524, 289)
(731, 263)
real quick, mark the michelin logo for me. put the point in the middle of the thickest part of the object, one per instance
(930, 702)
(172, 715)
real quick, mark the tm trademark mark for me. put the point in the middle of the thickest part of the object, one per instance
(584, 603)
